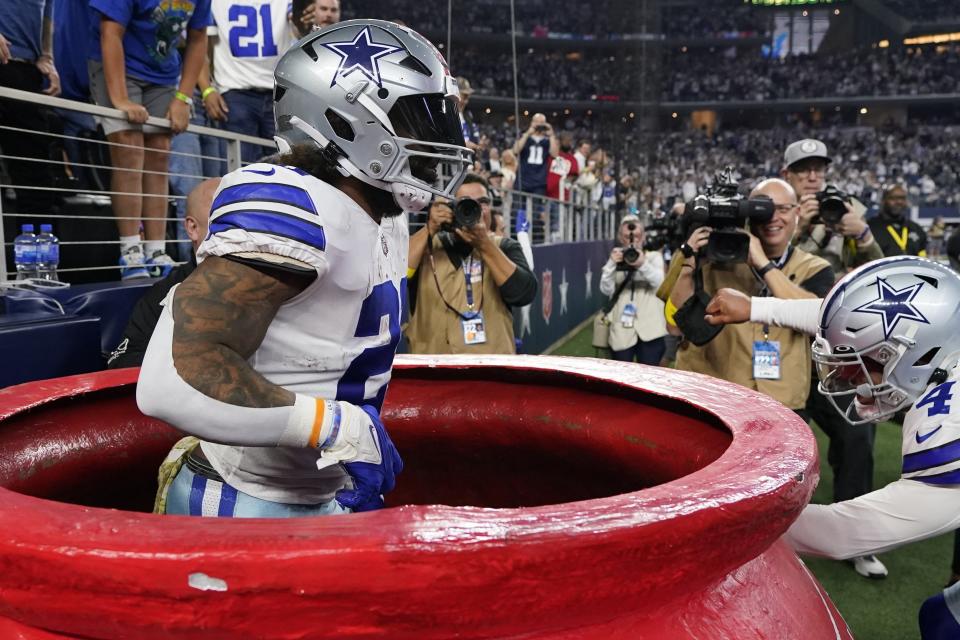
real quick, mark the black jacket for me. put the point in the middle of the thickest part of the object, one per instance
(143, 319)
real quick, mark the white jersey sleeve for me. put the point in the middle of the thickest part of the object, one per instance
(931, 435)
(800, 315)
(265, 211)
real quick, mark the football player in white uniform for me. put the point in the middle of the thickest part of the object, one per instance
(887, 339)
(276, 352)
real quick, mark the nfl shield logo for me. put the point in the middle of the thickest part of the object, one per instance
(546, 294)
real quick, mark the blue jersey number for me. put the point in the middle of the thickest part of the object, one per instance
(383, 301)
(938, 397)
(244, 24)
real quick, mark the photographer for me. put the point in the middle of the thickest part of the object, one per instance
(772, 360)
(831, 225)
(463, 280)
(637, 326)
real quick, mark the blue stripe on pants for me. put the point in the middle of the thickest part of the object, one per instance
(228, 500)
(196, 495)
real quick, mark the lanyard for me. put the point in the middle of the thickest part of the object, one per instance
(470, 314)
(900, 239)
(467, 276)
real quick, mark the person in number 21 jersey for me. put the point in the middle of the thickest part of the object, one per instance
(276, 352)
(249, 37)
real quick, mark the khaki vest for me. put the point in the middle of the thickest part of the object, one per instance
(729, 356)
(434, 328)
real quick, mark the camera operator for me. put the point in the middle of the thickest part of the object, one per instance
(637, 325)
(897, 234)
(831, 225)
(463, 280)
(772, 360)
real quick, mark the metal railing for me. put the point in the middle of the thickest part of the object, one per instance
(550, 221)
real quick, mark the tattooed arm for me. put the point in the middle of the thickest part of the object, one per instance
(221, 314)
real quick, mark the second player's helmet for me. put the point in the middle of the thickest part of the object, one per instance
(886, 330)
(380, 100)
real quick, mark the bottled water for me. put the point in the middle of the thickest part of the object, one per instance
(48, 253)
(25, 253)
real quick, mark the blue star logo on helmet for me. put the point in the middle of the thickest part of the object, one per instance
(360, 54)
(894, 305)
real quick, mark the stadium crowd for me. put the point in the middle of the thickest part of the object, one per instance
(717, 75)
(925, 11)
(865, 72)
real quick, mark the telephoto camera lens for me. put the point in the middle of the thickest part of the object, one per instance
(630, 254)
(467, 212)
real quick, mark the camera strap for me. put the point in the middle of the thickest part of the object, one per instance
(690, 317)
(471, 313)
(612, 302)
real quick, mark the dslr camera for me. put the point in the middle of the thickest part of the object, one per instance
(466, 214)
(726, 210)
(833, 206)
(630, 253)
(661, 232)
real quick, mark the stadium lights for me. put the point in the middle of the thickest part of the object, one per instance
(488, 109)
(933, 39)
(673, 115)
(863, 111)
(883, 44)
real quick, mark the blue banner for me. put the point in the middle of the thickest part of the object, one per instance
(569, 292)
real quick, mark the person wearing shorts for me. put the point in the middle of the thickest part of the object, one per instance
(135, 67)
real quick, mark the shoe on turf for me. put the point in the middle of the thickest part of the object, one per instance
(160, 264)
(131, 264)
(869, 567)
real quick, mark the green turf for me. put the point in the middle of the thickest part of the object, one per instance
(874, 609)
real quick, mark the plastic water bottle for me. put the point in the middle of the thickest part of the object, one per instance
(48, 253)
(25, 253)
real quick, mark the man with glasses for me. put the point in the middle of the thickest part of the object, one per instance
(768, 359)
(846, 244)
(463, 281)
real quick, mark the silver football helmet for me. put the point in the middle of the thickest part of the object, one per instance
(379, 99)
(885, 329)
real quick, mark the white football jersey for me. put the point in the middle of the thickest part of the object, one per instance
(931, 434)
(334, 340)
(251, 37)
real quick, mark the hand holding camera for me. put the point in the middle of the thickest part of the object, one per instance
(809, 210)
(852, 224)
(699, 238)
(440, 216)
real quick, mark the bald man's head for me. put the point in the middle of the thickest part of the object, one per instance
(198, 210)
(775, 235)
